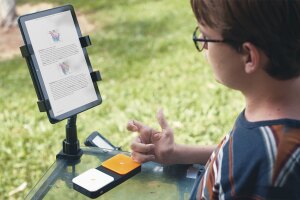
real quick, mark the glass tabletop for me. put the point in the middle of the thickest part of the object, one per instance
(153, 182)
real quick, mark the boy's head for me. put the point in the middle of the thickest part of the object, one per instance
(271, 25)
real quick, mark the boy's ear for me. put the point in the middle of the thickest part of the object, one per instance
(251, 57)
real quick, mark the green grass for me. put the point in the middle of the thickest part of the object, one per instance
(147, 59)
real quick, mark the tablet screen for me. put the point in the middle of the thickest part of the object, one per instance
(61, 62)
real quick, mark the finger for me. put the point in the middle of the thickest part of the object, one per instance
(138, 124)
(142, 158)
(131, 126)
(161, 119)
(142, 148)
(135, 126)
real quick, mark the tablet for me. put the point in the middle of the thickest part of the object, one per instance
(59, 66)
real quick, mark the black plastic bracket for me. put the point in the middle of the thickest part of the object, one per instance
(43, 105)
(96, 76)
(26, 50)
(85, 41)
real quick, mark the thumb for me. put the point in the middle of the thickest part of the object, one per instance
(161, 119)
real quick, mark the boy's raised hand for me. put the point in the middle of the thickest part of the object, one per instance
(152, 145)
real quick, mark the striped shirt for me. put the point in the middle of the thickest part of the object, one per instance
(256, 160)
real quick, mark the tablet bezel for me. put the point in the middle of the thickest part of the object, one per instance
(36, 74)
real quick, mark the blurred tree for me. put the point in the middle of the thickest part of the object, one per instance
(8, 15)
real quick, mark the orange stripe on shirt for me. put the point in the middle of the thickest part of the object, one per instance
(231, 168)
(289, 141)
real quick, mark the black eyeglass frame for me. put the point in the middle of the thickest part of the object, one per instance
(195, 39)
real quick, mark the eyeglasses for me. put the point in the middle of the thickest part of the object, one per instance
(200, 40)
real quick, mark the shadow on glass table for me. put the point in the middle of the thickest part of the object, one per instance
(154, 182)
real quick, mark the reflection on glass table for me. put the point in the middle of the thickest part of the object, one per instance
(154, 182)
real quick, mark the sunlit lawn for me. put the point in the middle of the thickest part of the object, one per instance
(147, 59)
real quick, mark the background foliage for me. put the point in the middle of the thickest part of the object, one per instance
(147, 59)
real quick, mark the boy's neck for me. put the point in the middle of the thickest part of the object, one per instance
(274, 100)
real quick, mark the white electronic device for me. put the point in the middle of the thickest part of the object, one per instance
(92, 180)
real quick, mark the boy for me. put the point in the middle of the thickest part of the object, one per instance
(253, 46)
